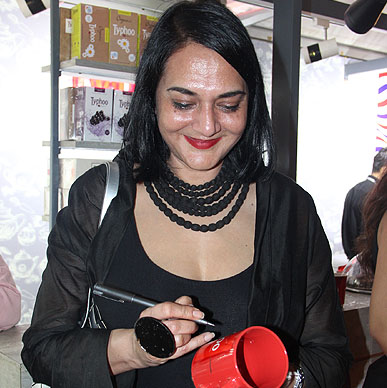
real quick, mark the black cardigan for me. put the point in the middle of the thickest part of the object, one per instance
(292, 291)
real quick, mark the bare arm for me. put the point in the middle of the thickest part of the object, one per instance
(378, 306)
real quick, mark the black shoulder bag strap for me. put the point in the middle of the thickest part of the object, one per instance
(92, 317)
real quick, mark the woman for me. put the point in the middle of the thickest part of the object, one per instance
(246, 249)
(10, 298)
(373, 247)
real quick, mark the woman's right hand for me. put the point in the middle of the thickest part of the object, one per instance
(125, 352)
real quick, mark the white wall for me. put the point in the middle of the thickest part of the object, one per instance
(336, 133)
(25, 123)
(336, 137)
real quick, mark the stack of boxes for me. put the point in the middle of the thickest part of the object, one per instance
(93, 114)
(99, 34)
(95, 34)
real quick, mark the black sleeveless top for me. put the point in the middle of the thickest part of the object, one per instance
(223, 301)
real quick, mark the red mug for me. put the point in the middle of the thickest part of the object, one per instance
(254, 357)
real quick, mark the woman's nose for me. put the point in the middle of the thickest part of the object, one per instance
(207, 123)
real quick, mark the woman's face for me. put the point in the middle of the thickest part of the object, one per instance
(201, 107)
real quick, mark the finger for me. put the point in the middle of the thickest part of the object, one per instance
(182, 339)
(193, 343)
(168, 310)
(184, 300)
(181, 326)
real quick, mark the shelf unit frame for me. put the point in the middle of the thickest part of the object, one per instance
(75, 66)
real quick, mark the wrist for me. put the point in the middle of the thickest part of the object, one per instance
(123, 351)
(295, 378)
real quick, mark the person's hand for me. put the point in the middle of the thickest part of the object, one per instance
(179, 317)
(125, 353)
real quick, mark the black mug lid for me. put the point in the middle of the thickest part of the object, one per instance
(155, 337)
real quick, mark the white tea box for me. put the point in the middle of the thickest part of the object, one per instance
(64, 113)
(92, 113)
(120, 114)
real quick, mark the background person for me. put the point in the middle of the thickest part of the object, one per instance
(199, 219)
(352, 224)
(10, 298)
(373, 257)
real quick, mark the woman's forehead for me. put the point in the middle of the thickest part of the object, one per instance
(200, 67)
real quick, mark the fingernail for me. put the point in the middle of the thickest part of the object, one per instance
(209, 336)
(198, 314)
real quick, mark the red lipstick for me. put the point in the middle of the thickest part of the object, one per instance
(202, 144)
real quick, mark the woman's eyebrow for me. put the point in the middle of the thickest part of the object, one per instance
(181, 90)
(232, 94)
(191, 93)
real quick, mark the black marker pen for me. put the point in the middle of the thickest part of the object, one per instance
(124, 296)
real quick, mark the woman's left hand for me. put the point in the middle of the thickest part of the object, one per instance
(125, 352)
(179, 317)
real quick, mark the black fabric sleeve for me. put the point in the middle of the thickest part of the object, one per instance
(324, 350)
(57, 352)
(294, 291)
(350, 224)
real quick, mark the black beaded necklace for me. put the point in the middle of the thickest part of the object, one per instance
(203, 200)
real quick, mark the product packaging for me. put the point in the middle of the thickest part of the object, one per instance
(88, 114)
(123, 37)
(65, 30)
(64, 114)
(120, 114)
(90, 36)
(145, 27)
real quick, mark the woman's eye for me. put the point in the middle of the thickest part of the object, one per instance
(182, 105)
(229, 108)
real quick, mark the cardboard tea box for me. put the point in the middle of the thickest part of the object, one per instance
(123, 37)
(145, 27)
(65, 31)
(90, 36)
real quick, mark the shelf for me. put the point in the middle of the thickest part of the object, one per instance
(109, 70)
(148, 7)
(98, 145)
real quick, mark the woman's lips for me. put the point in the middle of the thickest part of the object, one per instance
(202, 144)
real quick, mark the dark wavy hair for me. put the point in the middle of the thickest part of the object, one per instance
(212, 25)
(375, 206)
(380, 160)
